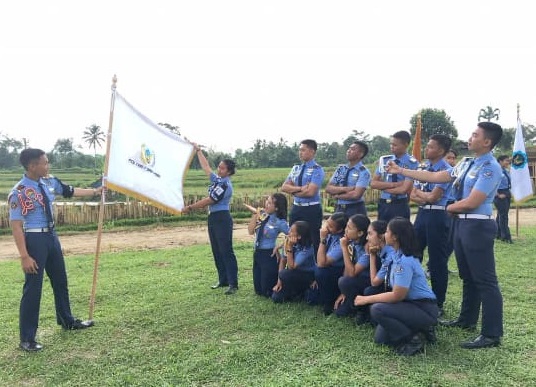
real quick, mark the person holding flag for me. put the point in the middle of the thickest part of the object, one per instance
(32, 224)
(220, 222)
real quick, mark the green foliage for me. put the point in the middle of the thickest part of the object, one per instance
(434, 121)
(159, 324)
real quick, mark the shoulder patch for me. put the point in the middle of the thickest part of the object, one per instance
(14, 205)
(362, 168)
(20, 187)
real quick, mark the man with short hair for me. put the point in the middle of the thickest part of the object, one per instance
(475, 184)
(32, 224)
(304, 182)
(395, 188)
(349, 181)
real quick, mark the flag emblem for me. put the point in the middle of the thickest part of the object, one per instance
(519, 160)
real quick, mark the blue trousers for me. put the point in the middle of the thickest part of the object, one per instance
(473, 246)
(327, 279)
(351, 287)
(352, 209)
(399, 321)
(295, 283)
(432, 229)
(220, 233)
(264, 272)
(45, 248)
(388, 211)
(503, 207)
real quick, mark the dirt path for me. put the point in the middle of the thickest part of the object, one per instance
(150, 238)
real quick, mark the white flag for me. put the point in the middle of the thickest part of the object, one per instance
(145, 160)
(519, 173)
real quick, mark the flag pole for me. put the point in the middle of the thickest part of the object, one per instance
(517, 204)
(103, 197)
(416, 151)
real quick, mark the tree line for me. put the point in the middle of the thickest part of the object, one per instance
(269, 154)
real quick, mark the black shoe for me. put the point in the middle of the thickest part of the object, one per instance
(79, 324)
(30, 346)
(482, 342)
(219, 285)
(361, 318)
(412, 347)
(456, 323)
(232, 290)
(430, 335)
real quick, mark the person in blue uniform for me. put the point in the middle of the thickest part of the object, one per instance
(303, 183)
(432, 223)
(220, 222)
(404, 314)
(475, 181)
(356, 274)
(380, 259)
(32, 223)
(349, 181)
(395, 189)
(330, 261)
(297, 265)
(502, 201)
(266, 224)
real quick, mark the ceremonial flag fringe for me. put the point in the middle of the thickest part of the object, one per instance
(519, 173)
(416, 152)
(146, 161)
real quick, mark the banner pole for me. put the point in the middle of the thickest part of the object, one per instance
(102, 203)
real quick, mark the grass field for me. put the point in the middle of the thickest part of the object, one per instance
(159, 324)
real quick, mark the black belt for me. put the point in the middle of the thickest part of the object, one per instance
(349, 205)
(389, 201)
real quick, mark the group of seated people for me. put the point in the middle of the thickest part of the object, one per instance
(370, 271)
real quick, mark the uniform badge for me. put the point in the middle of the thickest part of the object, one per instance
(14, 205)
(399, 269)
(20, 187)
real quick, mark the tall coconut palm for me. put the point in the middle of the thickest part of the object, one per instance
(93, 136)
(489, 113)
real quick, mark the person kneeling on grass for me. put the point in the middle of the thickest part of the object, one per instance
(406, 315)
(356, 275)
(297, 266)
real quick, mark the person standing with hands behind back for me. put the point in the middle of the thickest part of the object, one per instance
(32, 223)
(475, 185)
(220, 222)
(304, 182)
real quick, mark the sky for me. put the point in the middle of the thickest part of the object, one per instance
(228, 73)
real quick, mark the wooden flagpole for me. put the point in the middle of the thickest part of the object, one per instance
(416, 152)
(103, 197)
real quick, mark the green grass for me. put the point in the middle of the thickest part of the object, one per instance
(159, 324)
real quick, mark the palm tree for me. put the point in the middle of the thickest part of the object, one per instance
(93, 136)
(489, 113)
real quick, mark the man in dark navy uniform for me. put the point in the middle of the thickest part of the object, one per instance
(304, 182)
(475, 183)
(32, 223)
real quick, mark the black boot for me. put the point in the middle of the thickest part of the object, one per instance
(414, 346)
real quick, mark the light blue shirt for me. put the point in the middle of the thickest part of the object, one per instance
(345, 176)
(221, 191)
(441, 165)
(484, 175)
(271, 230)
(313, 173)
(407, 272)
(405, 161)
(334, 250)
